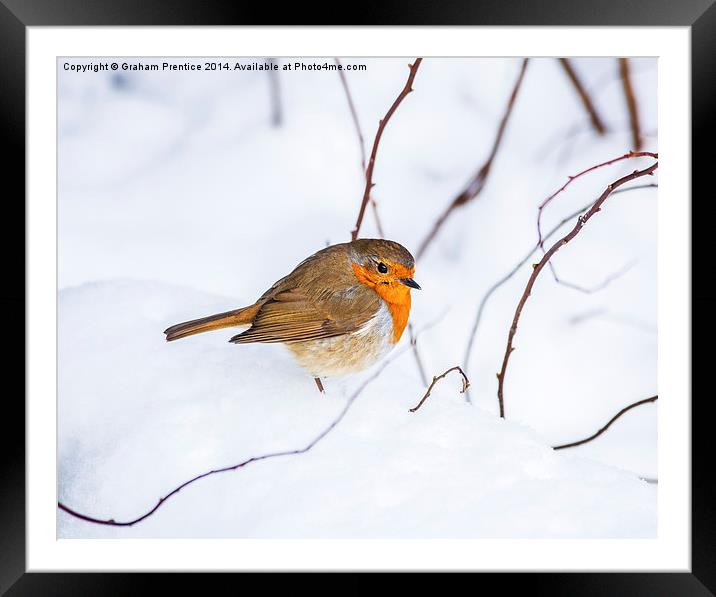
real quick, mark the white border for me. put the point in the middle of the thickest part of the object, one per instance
(670, 551)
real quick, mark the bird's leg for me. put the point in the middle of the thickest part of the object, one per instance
(319, 385)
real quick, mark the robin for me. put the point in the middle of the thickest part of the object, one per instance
(339, 311)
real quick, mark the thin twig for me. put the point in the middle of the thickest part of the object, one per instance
(617, 318)
(584, 96)
(524, 260)
(379, 133)
(596, 89)
(569, 135)
(592, 289)
(416, 354)
(607, 78)
(361, 142)
(414, 335)
(465, 385)
(603, 429)
(354, 114)
(606, 315)
(541, 207)
(378, 223)
(571, 179)
(631, 103)
(477, 182)
(537, 268)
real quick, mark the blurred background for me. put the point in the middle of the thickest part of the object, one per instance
(186, 193)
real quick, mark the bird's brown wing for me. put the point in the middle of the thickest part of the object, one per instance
(292, 315)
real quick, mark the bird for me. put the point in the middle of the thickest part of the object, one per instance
(338, 312)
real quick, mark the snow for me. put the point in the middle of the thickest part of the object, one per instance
(178, 199)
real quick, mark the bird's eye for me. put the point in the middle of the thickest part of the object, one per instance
(382, 268)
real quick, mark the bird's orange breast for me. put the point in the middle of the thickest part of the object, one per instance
(395, 294)
(400, 313)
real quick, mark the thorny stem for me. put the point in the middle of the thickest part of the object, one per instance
(552, 268)
(537, 268)
(571, 179)
(516, 268)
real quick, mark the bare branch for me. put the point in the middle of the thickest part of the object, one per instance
(584, 96)
(516, 268)
(378, 223)
(361, 143)
(354, 114)
(607, 79)
(465, 385)
(381, 127)
(541, 207)
(617, 318)
(631, 103)
(537, 268)
(649, 185)
(571, 179)
(416, 354)
(477, 182)
(591, 290)
(603, 429)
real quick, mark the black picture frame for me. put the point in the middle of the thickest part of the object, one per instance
(17, 15)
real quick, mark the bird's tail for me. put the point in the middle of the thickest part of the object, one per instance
(213, 322)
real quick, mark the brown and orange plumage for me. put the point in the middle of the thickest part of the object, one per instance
(339, 311)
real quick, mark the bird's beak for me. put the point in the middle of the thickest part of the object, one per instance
(410, 282)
